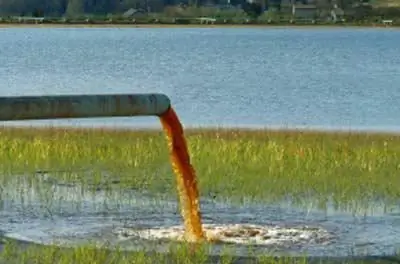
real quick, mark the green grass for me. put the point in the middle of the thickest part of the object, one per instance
(352, 170)
(181, 254)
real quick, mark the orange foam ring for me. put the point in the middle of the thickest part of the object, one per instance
(185, 176)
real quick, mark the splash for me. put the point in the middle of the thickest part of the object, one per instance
(240, 234)
(185, 176)
(190, 209)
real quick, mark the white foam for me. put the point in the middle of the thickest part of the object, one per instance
(237, 234)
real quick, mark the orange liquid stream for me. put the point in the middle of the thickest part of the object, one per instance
(185, 176)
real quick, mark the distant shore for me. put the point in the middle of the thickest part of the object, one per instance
(153, 25)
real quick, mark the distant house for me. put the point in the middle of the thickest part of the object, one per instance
(299, 10)
(305, 11)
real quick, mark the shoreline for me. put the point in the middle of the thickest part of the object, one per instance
(201, 130)
(167, 26)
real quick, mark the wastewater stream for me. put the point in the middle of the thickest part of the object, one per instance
(50, 212)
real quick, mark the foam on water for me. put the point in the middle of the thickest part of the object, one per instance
(247, 234)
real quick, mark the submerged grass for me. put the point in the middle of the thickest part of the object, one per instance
(348, 170)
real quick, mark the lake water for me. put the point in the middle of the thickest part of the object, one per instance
(312, 78)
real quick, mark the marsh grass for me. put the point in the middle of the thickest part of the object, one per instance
(182, 253)
(178, 254)
(347, 170)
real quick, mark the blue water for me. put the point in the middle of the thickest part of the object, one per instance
(312, 78)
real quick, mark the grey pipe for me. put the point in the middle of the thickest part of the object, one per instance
(82, 106)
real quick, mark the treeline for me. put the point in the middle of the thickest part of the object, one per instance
(356, 9)
(372, 14)
(65, 7)
(79, 7)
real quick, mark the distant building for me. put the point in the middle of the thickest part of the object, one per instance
(305, 11)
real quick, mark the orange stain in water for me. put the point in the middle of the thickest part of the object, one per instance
(185, 176)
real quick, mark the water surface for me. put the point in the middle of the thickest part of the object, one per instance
(325, 78)
(313, 78)
(49, 212)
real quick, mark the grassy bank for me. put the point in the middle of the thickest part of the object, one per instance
(351, 170)
(160, 21)
(14, 253)
(228, 25)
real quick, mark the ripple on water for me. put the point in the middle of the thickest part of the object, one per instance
(133, 220)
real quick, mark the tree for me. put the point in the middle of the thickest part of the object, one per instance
(253, 10)
(75, 8)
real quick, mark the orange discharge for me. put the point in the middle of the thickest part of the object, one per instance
(185, 176)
